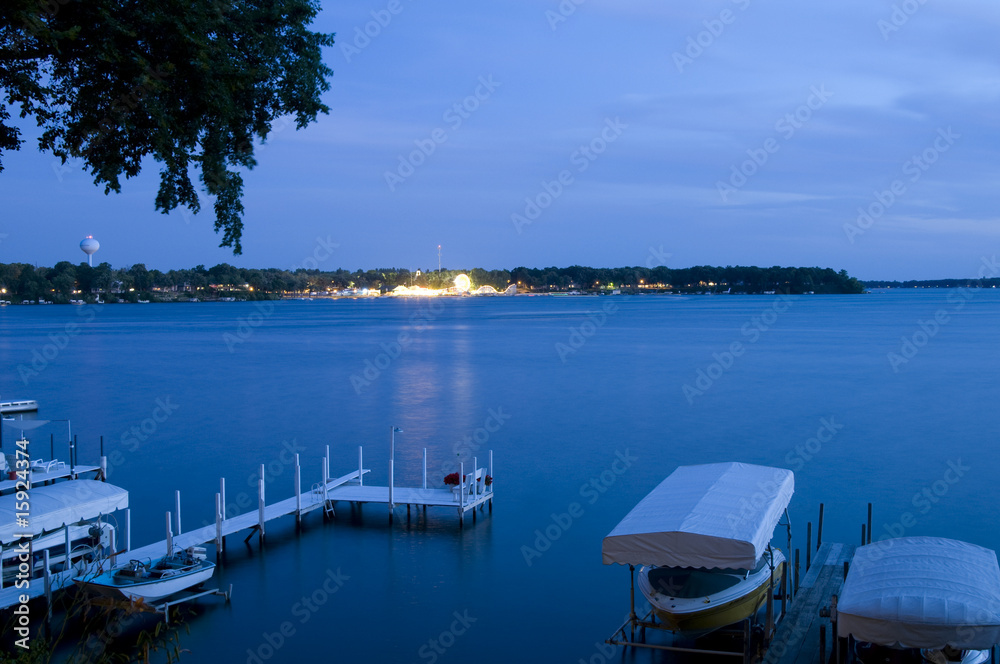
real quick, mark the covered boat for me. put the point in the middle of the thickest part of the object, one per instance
(68, 514)
(929, 593)
(702, 540)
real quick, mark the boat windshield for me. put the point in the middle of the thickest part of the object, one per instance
(687, 583)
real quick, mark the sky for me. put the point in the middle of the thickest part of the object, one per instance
(856, 135)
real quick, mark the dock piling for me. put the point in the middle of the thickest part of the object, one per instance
(869, 540)
(809, 535)
(170, 537)
(222, 505)
(863, 531)
(48, 584)
(177, 503)
(298, 492)
(796, 591)
(218, 525)
(819, 528)
(260, 505)
(425, 468)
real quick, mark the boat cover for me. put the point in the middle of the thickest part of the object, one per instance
(719, 515)
(922, 592)
(57, 505)
(24, 425)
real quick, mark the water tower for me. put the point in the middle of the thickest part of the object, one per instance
(90, 246)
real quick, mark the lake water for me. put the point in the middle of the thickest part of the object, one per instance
(567, 386)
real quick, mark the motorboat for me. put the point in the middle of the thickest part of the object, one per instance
(151, 580)
(696, 602)
(74, 511)
(701, 540)
(87, 543)
(921, 599)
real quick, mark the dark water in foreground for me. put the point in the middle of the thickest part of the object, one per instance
(577, 383)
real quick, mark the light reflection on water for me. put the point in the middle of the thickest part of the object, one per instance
(622, 389)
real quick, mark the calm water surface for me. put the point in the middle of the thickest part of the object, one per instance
(577, 382)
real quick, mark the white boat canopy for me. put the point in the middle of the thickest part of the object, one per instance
(52, 507)
(922, 592)
(719, 515)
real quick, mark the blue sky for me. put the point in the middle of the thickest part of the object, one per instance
(604, 133)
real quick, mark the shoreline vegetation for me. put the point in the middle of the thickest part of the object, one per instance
(66, 283)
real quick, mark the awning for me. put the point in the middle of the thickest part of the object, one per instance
(922, 592)
(719, 515)
(57, 505)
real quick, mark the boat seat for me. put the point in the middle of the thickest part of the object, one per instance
(47, 466)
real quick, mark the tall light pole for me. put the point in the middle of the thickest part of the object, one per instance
(392, 459)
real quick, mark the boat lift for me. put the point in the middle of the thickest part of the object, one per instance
(645, 537)
(626, 634)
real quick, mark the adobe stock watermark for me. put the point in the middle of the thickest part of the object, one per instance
(722, 362)
(302, 611)
(900, 16)
(247, 325)
(926, 330)
(373, 368)
(321, 253)
(565, 9)
(472, 443)
(591, 491)
(47, 353)
(748, 509)
(580, 159)
(805, 451)
(364, 35)
(924, 500)
(698, 43)
(137, 434)
(785, 128)
(454, 117)
(913, 168)
(440, 644)
(580, 334)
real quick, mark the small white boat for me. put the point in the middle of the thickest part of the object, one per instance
(921, 599)
(153, 580)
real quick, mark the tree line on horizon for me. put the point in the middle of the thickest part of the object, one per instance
(65, 281)
(934, 283)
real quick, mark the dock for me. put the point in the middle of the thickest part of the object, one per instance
(806, 636)
(24, 406)
(474, 492)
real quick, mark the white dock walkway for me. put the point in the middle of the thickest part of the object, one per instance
(472, 493)
(40, 477)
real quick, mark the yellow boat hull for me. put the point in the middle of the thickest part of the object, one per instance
(712, 615)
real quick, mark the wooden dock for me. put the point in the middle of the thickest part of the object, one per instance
(798, 638)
